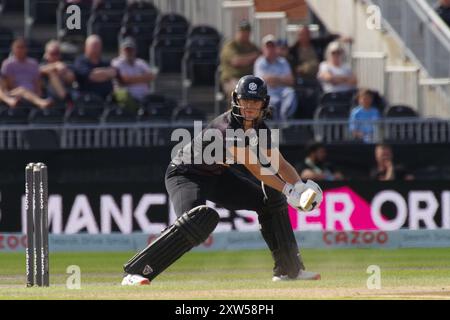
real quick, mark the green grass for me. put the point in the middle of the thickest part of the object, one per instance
(405, 273)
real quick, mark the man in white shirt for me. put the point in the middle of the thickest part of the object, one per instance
(135, 73)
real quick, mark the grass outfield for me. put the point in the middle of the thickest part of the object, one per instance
(405, 274)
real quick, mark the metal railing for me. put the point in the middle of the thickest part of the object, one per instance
(293, 132)
(426, 39)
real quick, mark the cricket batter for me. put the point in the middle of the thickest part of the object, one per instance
(239, 181)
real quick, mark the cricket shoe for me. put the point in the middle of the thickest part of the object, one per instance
(302, 275)
(135, 280)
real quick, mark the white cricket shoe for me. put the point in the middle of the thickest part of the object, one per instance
(135, 280)
(302, 275)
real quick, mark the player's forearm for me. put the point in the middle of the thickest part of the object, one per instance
(272, 181)
(288, 172)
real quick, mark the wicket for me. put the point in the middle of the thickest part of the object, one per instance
(36, 206)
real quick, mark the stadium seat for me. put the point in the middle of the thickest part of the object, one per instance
(203, 32)
(53, 115)
(401, 111)
(157, 107)
(332, 112)
(116, 114)
(154, 114)
(43, 11)
(337, 99)
(308, 95)
(6, 38)
(111, 5)
(201, 66)
(18, 115)
(168, 54)
(188, 113)
(141, 6)
(87, 108)
(106, 25)
(172, 19)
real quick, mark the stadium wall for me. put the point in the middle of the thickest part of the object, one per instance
(104, 191)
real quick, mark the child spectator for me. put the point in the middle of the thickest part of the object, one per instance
(362, 116)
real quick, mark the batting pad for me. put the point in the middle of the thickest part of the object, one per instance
(188, 231)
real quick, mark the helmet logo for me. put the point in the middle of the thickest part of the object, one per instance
(253, 86)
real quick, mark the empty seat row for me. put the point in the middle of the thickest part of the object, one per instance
(92, 110)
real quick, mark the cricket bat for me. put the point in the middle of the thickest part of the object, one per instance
(307, 199)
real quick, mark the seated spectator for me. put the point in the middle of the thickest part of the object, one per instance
(361, 117)
(283, 49)
(58, 75)
(443, 10)
(334, 75)
(237, 58)
(135, 75)
(277, 74)
(21, 78)
(94, 75)
(305, 63)
(385, 169)
(315, 167)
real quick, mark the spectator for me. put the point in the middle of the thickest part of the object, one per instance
(21, 79)
(277, 74)
(385, 169)
(315, 166)
(58, 75)
(135, 75)
(305, 62)
(94, 75)
(237, 58)
(333, 73)
(362, 116)
(283, 49)
(443, 10)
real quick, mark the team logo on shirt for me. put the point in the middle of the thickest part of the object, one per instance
(253, 86)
